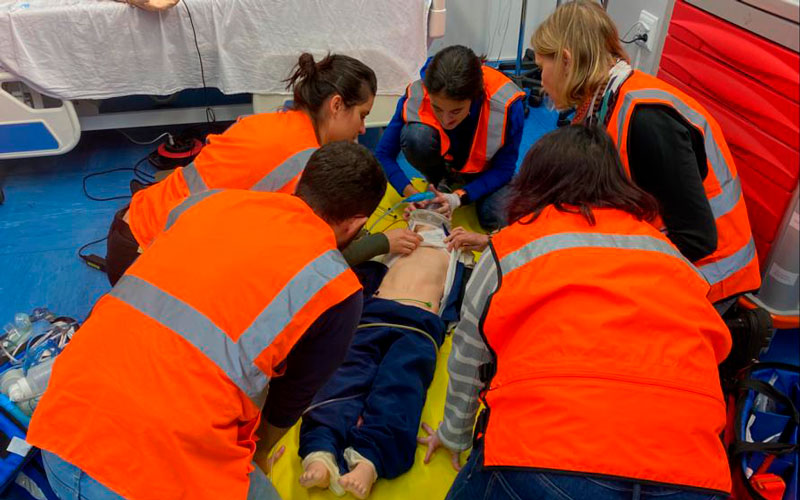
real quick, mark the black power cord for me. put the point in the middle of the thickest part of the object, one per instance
(93, 260)
(642, 37)
(142, 176)
(210, 118)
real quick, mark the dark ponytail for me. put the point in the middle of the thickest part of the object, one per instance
(313, 82)
(457, 71)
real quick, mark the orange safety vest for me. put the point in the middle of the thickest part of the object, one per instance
(732, 268)
(606, 354)
(490, 134)
(160, 392)
(265, 152)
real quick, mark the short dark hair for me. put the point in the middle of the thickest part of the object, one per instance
(575, 168)
(336, 74)
(456, 71)
(342, 180)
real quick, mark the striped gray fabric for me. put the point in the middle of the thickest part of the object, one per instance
(414, 101)
(285, 172)
(497, 112)
(194, 181)
(235, 358)
(468, 354)
(722, 203)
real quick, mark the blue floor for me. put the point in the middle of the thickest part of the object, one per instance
(46, 218)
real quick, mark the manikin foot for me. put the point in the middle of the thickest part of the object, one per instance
(315, 475)
(360, 479)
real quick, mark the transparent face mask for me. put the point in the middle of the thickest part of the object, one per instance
(431, 226)
(428, 218)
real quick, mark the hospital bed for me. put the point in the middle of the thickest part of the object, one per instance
(59, 58)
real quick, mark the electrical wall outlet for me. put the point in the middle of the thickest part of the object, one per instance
(648, 23)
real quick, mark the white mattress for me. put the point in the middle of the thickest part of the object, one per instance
(101, 48)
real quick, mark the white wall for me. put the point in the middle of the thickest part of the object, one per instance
(491, 27)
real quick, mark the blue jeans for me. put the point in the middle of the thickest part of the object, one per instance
(422, 148)
(476, 483)
(71, 483)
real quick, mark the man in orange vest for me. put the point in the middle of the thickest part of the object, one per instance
(160, 393)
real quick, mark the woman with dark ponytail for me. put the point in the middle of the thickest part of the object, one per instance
(267, 152)
(460, 125)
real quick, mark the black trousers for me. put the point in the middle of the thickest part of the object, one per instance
(121, 248)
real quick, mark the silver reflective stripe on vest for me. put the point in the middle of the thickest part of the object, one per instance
(235, 359)
(196, 329)
(731, 189)
(285, 172)
(186, 205)
(716, 272)
(294, 296)
(497, 114)
(414, 102)
(194, 181)
(565, 241)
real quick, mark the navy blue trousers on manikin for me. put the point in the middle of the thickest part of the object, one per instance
(384, 380)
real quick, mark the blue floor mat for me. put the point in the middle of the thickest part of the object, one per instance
(46, 217)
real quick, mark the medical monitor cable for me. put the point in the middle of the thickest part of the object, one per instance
(210, 117)
(140, 175)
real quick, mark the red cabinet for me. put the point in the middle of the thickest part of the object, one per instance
(751, 86)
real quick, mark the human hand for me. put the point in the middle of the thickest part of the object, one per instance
(402, 241)
(152, 5)
(270, 462)
(433, 442)
(445, 202)
(461, 239)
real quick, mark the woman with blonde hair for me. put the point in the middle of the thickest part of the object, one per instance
(669, 144)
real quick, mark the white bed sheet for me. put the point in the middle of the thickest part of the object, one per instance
(96, 49)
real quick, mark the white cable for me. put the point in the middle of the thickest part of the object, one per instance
(143, 143)
(638, 55)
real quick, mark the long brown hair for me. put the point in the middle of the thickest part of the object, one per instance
(586, 31)
(575, 168)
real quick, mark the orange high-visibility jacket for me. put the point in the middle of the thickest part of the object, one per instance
(160, 392)
(606, 354)
(491, 132)
(732, 268)
(265, 152)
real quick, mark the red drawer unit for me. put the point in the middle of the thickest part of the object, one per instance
(771, 112)
(751, 86)
(774, 66)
